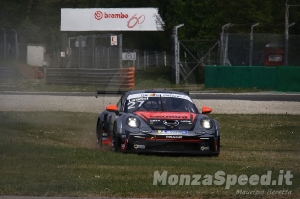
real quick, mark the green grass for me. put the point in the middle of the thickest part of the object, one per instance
(54, 154)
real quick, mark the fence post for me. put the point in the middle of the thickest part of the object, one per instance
(251, 44)
(79, 51)
(16, 44)
(4, 43)
(108, 57)
(224, 40)
(177, 54)
(145, 60)
(93, 39)
(120, 50)
(137, 53)
(134, 60)
(156, 58)
(96, 57)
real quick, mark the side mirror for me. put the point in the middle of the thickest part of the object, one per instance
(112, 108)
(206, 109)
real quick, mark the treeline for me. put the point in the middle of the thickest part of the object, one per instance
(39, 20)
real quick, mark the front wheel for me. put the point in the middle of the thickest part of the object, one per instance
(116, 142)
(217, 147)
(99, 134)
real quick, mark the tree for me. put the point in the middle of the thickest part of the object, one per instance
(204, 19)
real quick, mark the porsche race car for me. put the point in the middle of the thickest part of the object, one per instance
(158, 121)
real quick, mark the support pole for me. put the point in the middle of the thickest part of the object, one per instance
(251, 44)
(286, 48)
(224, 39)
(4, 43)
(16, 44)
(177, 54)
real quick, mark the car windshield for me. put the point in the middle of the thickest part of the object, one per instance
(159, 102)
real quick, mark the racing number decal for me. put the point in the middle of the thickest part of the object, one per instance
(131, 104)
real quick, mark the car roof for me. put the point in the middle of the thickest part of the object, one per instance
(155, 91)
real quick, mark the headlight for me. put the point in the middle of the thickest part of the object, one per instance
(206, 123)
(133, 122)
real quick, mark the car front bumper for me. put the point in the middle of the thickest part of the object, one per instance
(181, 144)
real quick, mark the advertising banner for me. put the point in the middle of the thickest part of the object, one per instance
(110, 19)
(129, 56)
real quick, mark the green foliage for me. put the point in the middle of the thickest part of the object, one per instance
(202, 19)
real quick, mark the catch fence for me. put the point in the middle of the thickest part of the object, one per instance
(238, 49)
(100, 52)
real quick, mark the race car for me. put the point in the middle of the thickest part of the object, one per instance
(158, 121)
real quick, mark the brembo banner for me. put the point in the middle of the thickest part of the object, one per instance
(109, 19)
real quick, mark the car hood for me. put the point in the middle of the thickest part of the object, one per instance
(168, 120)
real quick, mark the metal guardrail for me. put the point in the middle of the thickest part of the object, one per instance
(123, 77)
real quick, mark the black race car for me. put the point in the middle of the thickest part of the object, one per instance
(158, 121)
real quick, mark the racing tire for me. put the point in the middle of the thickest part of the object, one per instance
(218, 144)
(114, 139)
(99, 134)
(116, 142)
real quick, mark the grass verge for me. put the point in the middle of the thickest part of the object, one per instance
(54, 154)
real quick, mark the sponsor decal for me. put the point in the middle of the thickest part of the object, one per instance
(174, 136)
(158, 95)
(154, 120)
(168, 116)
(172, 132)
(165, 115)
(139, 99)
(99, 15)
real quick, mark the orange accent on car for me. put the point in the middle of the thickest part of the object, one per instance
(206, 109)
(111, 108)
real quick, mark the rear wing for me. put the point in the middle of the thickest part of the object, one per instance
(120, 92)
(109, 93)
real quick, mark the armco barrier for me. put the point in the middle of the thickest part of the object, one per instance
(240, 77)
(280, 78)
(288, 78)
(122, 78)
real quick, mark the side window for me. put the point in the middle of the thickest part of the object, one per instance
(119, 104)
